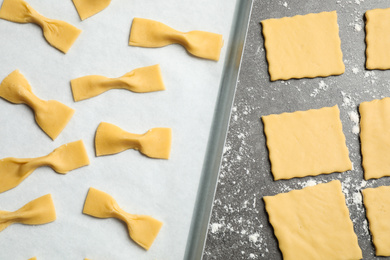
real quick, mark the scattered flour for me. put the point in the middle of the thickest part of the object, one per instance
(365, 227)
(355, 70)
(356, 25)
(347, 100)
(309, 183)
(252, 256)
(215, 227)
(356, 129)
(371, 75)
(285, 4)
(345, 186)
(315, 92)
(354, 117)
(321, 86)
(285, 188)
(254, 237)
(358, 28)
(357, 198)
(226, 148)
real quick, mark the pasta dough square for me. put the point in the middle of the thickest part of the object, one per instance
(378, 39)
(306, 143)
(313, 223)
(377, 204)
(303, 46)
(374, 137)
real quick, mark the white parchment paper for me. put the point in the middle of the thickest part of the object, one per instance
(163, 189)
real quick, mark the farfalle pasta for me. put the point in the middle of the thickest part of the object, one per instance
(58, 34)
(65, 158)
(145, 79)
(111, 139)
(149, 33)
(52, 116)
(36, 212)
(142, 229)
(88, 8)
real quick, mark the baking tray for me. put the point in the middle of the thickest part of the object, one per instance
(239, 218)
(196, 105)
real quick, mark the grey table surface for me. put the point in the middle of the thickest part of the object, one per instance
(239, 227)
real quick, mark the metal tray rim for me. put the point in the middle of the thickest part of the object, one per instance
(217, 137)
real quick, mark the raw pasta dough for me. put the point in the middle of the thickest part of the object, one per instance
(306, 143)
(313, 223)
(65, 158)
(145, 79)
(142, 229)
(377, 204)
(378, 39)
(52, 116)
(58, 34)
(303, 46)
(155, 143)
(36, 212)
(87, 8)
(374, 137)
(149, 33)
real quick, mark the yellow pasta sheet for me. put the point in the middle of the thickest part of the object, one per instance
(374, 137)
(305, 46)
(313, 223)
(377, 204)
(378, 39)
(306, 143)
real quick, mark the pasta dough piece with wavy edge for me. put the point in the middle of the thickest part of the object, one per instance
(142, 229)
(88, 8)
(377, 204)
(378, 39)
(111, 139)
(36, 212)
(58, 34)
(145, 79)
(374, 137)
(306, 143)
(151, 34)
(313, 223)
(303, 46)
(52, 116)
(65, 158)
